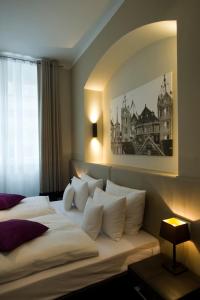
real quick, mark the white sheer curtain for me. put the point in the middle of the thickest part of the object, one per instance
(19, 141)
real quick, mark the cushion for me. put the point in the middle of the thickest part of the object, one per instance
(113, 213)
(14, 233)
(135, 205)
(68, 196)
(92, 183)
(92, 218)
(9, 200)
(80, 188)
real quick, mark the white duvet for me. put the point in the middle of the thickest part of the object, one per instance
(64, 242)
(28, 208)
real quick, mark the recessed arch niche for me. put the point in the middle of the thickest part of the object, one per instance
(119, 57)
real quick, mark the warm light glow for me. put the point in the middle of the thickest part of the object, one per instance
(191, 215)
(80, 172)
(168, 26)
(94, 87)
(95, 145)
(94, 116)
(93, 105)
(174, 222)
(95, 151)
(94, 112)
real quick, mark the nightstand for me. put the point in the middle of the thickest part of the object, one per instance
(152, 281)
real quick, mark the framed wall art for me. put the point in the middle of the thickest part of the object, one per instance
(142, 119)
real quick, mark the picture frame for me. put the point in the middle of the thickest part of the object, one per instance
(141, 120)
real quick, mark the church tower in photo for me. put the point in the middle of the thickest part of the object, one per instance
(165, 117)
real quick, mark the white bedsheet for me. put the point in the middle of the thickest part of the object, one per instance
(29, 207)
(64, 242)
(113, 258)
(73, 214)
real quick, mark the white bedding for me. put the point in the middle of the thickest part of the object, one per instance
(28, 208)
(114, 258)
(64, 242)
(74, 215)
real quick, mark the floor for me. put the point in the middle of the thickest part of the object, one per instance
(118, 288)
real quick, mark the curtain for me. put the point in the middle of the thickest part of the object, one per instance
(49, 127)
(19, 138)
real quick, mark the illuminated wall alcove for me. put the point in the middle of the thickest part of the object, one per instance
(138, 57)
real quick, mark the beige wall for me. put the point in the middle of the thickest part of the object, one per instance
(93, 114)
(65, 105)
(131, 15)
(145, 66)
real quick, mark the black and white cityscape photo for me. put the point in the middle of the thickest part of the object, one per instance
(141, 120)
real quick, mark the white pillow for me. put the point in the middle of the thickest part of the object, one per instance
(113, 213)
(68, 196)
(135, 205)
(92, 183)
(92, 218)
(80, 192)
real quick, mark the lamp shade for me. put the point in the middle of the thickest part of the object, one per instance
(94, 129)
(174, 230)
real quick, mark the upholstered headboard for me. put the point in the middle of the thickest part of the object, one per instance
(97, 171)
(156, 207)
(166, 195)
(158, 188)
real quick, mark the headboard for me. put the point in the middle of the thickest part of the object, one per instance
(157, 196)
(97, 171)
(166, 195)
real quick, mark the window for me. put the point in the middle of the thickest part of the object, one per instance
(19, 140)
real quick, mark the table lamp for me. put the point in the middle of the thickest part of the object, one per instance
(175, 231)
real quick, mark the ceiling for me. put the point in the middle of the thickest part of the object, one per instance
(59, 29)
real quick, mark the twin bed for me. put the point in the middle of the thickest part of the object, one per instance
(48, 267)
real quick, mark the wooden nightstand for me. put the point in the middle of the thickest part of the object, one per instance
(153, 281)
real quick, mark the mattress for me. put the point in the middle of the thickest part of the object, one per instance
(113, 259)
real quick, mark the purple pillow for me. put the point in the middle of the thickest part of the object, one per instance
(14, 233)
(9, 200)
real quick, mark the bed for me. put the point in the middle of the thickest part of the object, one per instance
(113, 258)
(28, 208)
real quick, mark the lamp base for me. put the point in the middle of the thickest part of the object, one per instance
(176, 269)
